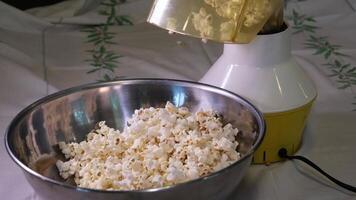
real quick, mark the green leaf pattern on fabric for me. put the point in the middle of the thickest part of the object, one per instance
(343, 72)
(102, 59)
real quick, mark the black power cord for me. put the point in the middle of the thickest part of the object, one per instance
(284, 154)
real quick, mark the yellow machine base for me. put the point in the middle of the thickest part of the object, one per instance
(283, 130)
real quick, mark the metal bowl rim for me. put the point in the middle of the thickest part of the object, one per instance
(89, 86)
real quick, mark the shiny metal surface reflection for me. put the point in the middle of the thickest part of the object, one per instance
(32, 137)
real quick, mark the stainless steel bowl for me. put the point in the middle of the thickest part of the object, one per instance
(32, 137)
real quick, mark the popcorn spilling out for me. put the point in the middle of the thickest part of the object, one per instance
(159, 147)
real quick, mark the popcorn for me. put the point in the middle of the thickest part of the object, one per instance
(258, 13)
(159, 147)
(226, 8)
(226, 29)
(203, 23)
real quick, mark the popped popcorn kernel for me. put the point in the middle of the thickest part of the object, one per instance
(203, 23)
(158, 147)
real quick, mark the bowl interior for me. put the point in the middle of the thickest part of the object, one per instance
(33, 136)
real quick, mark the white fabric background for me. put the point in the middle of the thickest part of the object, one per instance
(39, 56)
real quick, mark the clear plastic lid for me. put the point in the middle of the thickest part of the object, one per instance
(228, 21)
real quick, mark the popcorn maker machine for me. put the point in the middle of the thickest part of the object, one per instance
(256, 62)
